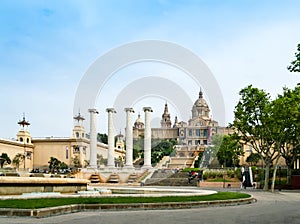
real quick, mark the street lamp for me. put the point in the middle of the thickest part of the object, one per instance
(279, 178)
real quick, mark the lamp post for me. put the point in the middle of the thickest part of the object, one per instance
(279, 178)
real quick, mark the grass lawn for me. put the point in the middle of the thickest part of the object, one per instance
(52, 202)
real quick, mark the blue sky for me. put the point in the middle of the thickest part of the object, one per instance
(46, 47)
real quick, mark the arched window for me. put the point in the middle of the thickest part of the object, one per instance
(27, 140)
(21, 139)
(77, 134)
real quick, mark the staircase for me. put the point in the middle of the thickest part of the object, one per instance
(95, 178)
(113, 178)
(181, 162)
(175, 179)
(132, 178)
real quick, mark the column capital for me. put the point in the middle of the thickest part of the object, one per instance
(129, 109)
(93, 110)
(111, 110)
(147, 109)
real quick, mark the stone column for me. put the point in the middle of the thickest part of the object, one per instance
(111, 139)
(129, 138)
(93, 138)
(147, 138)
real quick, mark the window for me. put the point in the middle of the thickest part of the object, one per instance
(198, 132)
(205, 142)
(197, 142)
(77, 134)
(190, 132)
(205, 132)
(190, 142)
(27, 140)
(67, 152)
(76, 149)
(21, 139)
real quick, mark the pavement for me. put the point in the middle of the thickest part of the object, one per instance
(278, 207)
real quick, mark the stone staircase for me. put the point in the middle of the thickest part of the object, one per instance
(132, 178)
(95, 178)
(168, 178)
(113, 178)
(181, 162)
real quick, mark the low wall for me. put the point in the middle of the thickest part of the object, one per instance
(20, 185)
(219, 184)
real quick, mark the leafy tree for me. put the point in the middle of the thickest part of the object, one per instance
(54, 164)
(63, 166)
(163, 148)
(101, 160)
(4, 159)
(253, 123)
(18, 159)
(102, 138)
(253, 159)
(295, 65)
(286, 113)
(76, 162)
(230, 151)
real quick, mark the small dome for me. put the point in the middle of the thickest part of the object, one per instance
(200, 107)
(139, 122)
(200, 102)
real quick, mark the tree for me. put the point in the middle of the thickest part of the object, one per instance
(229, 152)
(76, 162)
(54, 164)
(18, 159)
(4, 159)
(102, 138)
(295, 65)
(286, 113)
(252, 121)
(253, 159)
(161, 149)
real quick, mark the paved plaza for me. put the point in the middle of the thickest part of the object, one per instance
(275, 208)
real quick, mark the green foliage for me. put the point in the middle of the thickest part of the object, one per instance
(102, 138)
(76, 162)
(253, 122)
(161, 149)
(190, 169)
(52, 202)
(4, 159)
(229, 151)
(18, 159)
(295, 65)
(253, 158)
(55, 165)
(101, 160)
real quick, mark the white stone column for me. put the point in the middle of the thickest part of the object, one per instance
(129, 138)
(111, 139)
(147, 138)
(93, 138)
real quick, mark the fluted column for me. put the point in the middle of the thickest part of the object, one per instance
(147, 138)
(93, 138)
(129, 138)
(111, 139)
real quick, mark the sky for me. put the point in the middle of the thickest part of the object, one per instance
(46, 47)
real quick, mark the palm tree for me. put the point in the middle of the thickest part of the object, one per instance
(18, 159)
(4, 159)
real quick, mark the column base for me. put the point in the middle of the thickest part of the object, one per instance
(147, 167)
(128, 167)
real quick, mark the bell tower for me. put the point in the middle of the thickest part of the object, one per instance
(23, 134)
(166, 119)
(78, 130)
